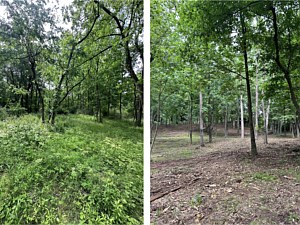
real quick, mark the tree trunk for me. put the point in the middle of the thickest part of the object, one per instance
(226, 122)
(256, 101)
(242, 118)
(284, 69)
(157, 123)
(99, 111)
(238, 118)
(266, 119)
(201, 120)
(140, 98)
(244, 48)
(120, 105)
(41, 100)
(297, 128)
(135, 103)
(210, 117)
(280, 127)
(38, 89)
(191, 120)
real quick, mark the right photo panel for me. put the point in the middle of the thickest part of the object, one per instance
(225, 112)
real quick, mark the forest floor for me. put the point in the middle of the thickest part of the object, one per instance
(74, 172)
(221, 184)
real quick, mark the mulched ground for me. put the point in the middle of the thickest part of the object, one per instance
(226, 186)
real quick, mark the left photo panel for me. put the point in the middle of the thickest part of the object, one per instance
(71, 112)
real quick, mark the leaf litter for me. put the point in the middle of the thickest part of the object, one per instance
(232, 188)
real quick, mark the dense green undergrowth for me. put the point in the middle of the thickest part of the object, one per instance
(77, 171)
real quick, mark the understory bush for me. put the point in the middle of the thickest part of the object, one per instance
(3, 114)
(88, 174)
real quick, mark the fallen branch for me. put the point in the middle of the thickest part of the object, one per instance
(158, 196)
(157, 190)
(289, 178)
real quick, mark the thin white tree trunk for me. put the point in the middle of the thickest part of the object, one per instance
(191, 120)
(242, 118)
(238, 118)
(201, 120)
(267, 115)
(266, 119)
(297, 129)
(256, 104)
(226, 122)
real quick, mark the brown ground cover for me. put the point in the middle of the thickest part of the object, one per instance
(221, 183)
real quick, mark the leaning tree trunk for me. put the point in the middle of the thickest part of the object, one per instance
(201, 120)
(284, 69)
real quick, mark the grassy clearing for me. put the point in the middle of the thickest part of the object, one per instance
(77, 171)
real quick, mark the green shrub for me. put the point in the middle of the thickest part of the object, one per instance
(15, 110)
(3, 114)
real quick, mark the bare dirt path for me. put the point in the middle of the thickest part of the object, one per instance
(221, 184)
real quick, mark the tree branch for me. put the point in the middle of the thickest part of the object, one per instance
(94, 56)
(69, 91)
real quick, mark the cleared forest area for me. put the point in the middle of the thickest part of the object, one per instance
(225, 112)
(221, 183)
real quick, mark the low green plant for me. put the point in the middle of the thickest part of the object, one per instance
(264, 176)
(294, 217)
(90, 173)
(196, 200)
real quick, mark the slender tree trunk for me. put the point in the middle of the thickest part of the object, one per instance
(242, 118)
(280, 127)
(266, 119)
(238, 117)
(135, 104)
(120, 105)
(244, 48)
(140, 105)
(210, 119)
(99, 111)
(191, 120)
(40, 98)
(297, 128)
(226, 122)
(256, 102)
(157, 123)
(201, 120)
(210, 112)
